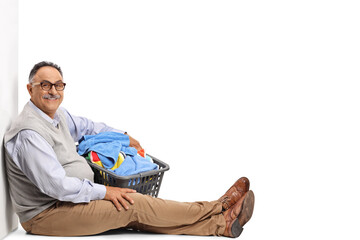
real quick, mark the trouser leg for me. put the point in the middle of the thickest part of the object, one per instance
(148, 214)
(171, 217)
(213, 225)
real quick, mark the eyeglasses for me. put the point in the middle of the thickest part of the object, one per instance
(46, 85)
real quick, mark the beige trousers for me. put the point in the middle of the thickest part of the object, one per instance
(147, 214)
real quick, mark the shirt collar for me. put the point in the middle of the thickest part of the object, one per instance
(54, 121)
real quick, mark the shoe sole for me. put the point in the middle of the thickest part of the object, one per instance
(236, 229)
(246, 212)
(247, 208)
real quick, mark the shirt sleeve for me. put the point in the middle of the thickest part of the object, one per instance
(44, 170)
(80, 126)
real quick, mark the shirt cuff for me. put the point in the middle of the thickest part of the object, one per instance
(98, 192)
(119, 131)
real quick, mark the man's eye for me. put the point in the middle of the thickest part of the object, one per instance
(45, 85)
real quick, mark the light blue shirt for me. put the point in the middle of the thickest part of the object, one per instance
(49, 176)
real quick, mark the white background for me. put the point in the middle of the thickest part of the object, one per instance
(220, 90)
(8, 101)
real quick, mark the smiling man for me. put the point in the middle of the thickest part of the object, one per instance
(53, 191)
(40, 87)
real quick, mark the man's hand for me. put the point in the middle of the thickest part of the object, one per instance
(134, 143)
(119, 196)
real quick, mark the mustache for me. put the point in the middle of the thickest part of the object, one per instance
(50, 96)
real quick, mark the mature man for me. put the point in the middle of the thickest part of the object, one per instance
(52, 187)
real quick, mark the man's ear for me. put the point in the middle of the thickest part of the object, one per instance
(29, 88)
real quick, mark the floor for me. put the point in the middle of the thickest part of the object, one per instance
(113, 234)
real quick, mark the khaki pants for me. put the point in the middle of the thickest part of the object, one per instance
(147, 214)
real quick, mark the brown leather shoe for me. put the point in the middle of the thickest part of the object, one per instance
(238, 215)
(235, 192)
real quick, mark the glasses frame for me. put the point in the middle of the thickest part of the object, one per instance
(51, 85)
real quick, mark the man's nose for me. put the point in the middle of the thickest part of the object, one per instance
(52, 90)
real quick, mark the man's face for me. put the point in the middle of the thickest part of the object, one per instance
(48, 101)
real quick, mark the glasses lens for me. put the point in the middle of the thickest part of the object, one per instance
(59, 86)
(45, 85)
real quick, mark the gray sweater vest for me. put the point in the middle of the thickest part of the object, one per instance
(27, 199)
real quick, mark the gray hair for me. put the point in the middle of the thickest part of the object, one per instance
(40, 65)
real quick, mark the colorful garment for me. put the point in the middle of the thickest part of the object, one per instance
(108, 145)
(93, 157)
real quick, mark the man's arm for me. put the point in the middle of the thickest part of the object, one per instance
(37, 160)
(50, 177)
(80, 126)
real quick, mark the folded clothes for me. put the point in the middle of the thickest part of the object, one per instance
(134, 165)
(108, 145)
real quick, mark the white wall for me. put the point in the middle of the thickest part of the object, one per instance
(221, 89)
(8, 100)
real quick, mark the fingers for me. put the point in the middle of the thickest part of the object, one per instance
(116, 203)
(123, 202)
(119, 197)
(128, 190)
(138, 147)
(128, 198)
(134, 143)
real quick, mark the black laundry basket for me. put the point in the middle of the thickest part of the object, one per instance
(146, 183)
